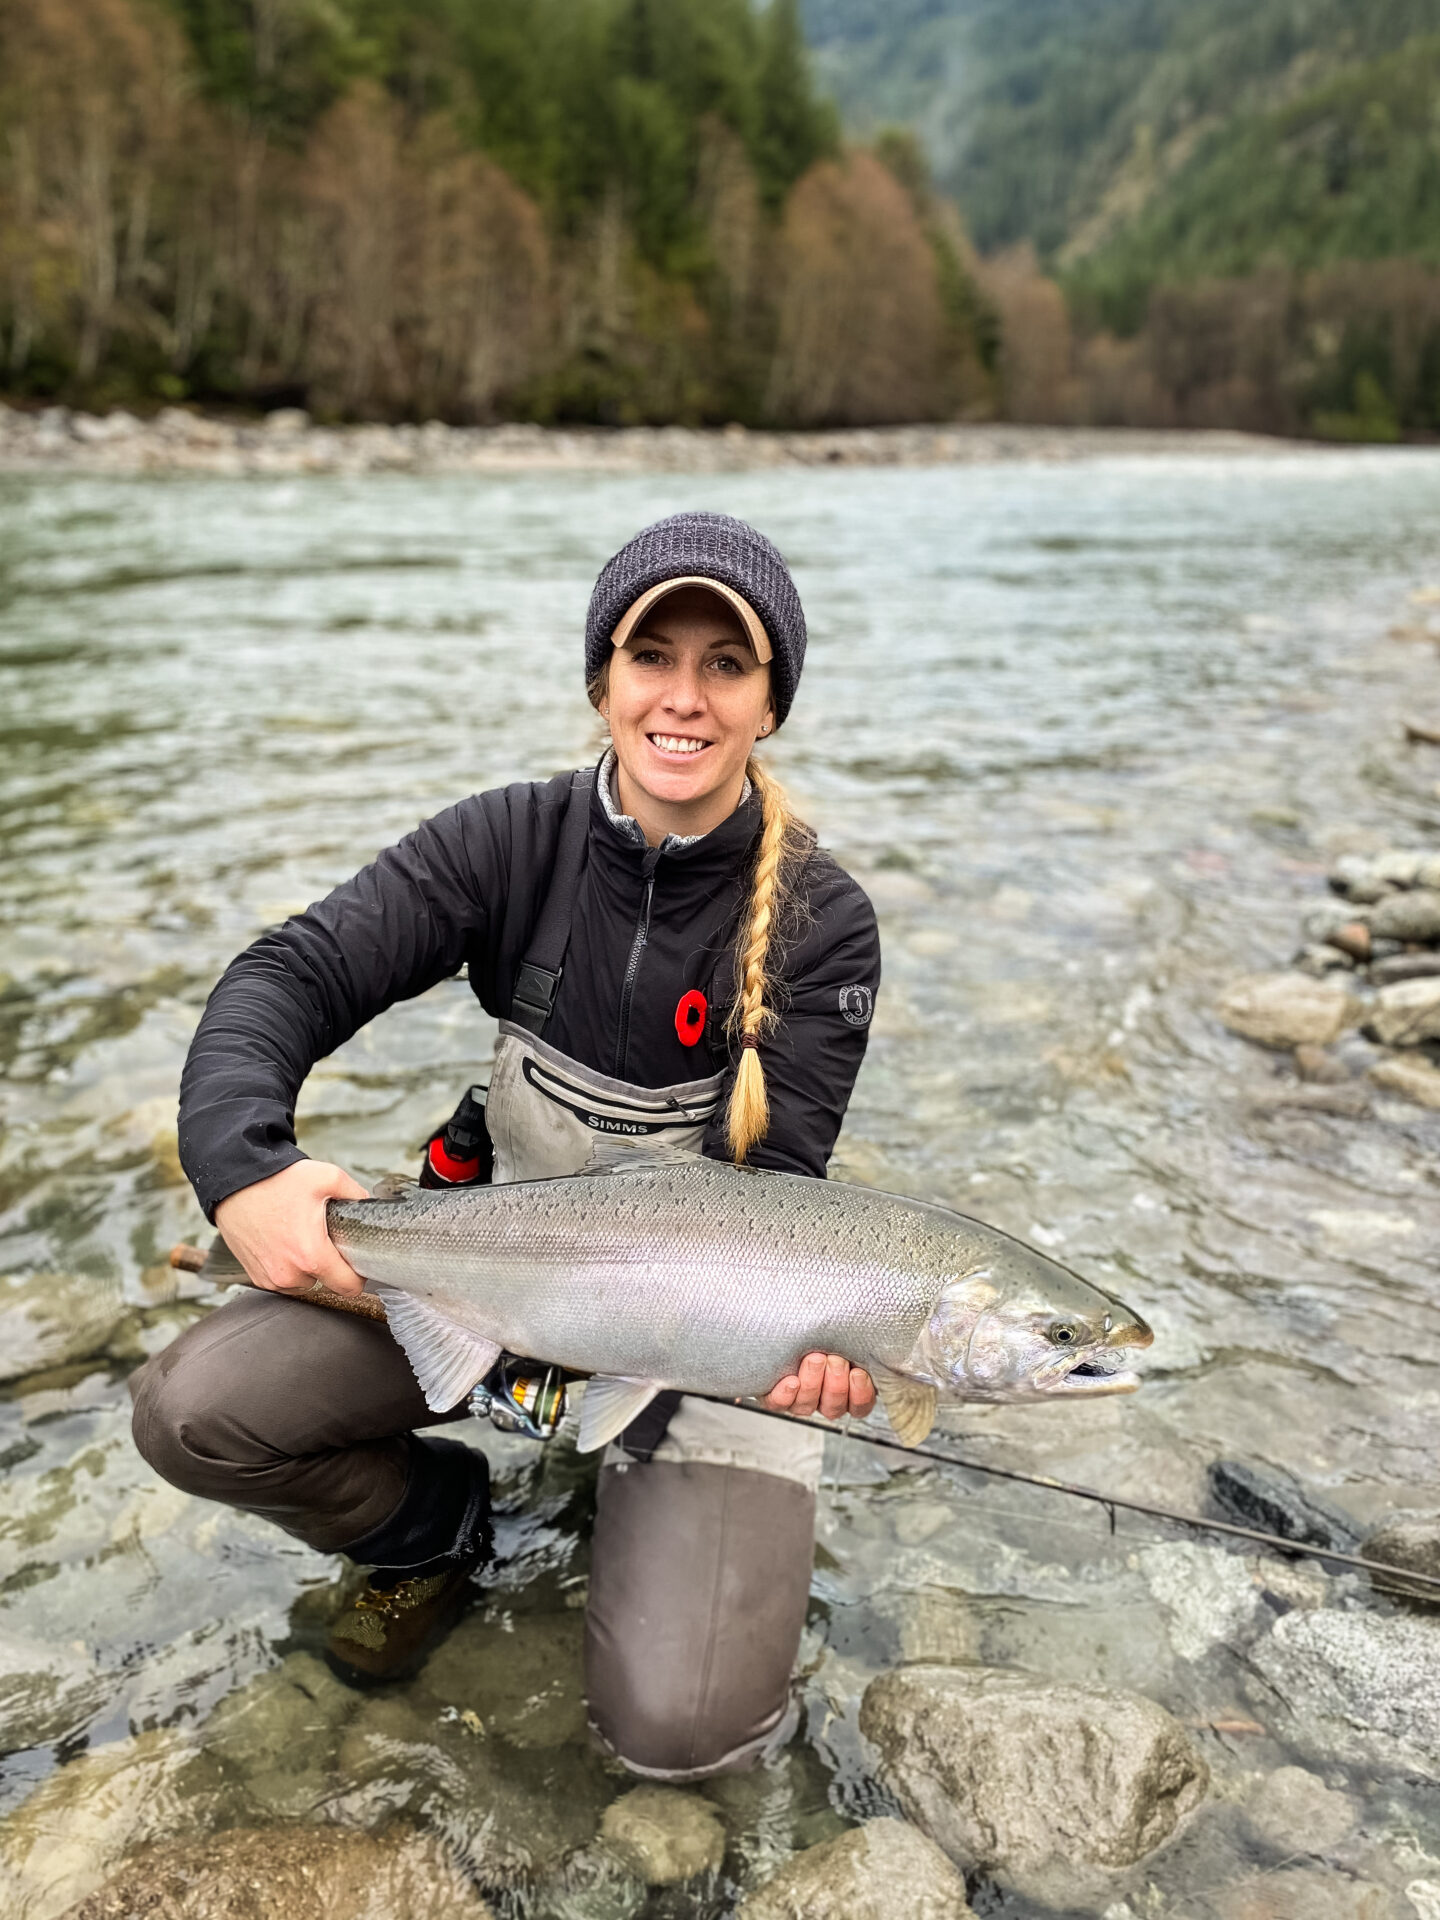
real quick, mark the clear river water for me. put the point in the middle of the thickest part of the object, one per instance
(1089, 733)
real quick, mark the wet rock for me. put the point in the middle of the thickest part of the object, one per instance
(1413, 916)
(1321, 1068)
(1285, 1010)
(664, 1836)
(284, 423)
(1412, 1079)
(1275, 1502)
(1304, 1893)
(1013, 1773)
(1320, 962)
(1295, 1812)
(1411, 1541)
(1327, 918)
(1209, 1595)
(1357, 1687)
(46, 1692)
(1294, 1583)
(881, 1871)
(59, 1844)
(302, 1873)
(1406, 1013)
(51, 1319)
(521, 1674)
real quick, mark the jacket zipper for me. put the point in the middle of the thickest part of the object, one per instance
(632, 966)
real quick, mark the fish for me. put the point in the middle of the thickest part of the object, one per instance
(693, 1274)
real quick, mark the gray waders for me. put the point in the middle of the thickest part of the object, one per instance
(700, 1571)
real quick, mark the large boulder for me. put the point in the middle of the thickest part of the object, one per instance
(881, 1871)
(664, 1836)
(279, 1731)
(1016, 1774)
(1357, 1687)
(1406, 1013)
(50, 1319)
(302, 1873)
(1286, 1010)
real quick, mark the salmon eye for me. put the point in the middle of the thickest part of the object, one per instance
(1064, 1334)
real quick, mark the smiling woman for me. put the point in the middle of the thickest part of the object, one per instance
(672, 959)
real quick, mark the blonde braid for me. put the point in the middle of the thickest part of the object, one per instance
(749, 1102)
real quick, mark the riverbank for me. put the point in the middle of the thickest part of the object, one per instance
(288, 442)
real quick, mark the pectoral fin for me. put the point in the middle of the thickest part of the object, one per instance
(909, 1405)
(448, 1360)
(610, 1404)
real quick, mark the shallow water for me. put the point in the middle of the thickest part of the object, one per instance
(1089, 735)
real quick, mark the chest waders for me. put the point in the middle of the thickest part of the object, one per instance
(700, 1568)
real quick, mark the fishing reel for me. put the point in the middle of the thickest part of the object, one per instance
(521, 1396)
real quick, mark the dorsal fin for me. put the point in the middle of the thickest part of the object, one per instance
(395, 1186)
(609, 1154)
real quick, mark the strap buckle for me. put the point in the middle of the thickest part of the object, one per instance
(533, 1000)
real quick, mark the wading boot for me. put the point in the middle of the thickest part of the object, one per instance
(439, 1536)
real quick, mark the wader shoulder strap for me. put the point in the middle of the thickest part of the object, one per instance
(538, 979)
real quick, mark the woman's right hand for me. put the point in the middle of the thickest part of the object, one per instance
(276, 1229)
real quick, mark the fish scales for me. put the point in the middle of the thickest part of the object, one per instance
(694, 1275)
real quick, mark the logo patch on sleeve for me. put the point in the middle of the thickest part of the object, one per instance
(856, 1006)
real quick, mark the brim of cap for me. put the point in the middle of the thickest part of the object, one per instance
(750, 620)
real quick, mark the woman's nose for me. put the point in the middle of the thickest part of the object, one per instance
(685, 691)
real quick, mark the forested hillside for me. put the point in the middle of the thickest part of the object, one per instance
(603, 210)
(1206, 178)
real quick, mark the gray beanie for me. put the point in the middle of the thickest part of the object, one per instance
(714, 547)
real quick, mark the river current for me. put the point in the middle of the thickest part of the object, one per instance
(1089, 734)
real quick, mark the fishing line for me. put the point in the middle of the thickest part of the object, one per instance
(1276, 1543)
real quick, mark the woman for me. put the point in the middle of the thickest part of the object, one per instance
(671, 957)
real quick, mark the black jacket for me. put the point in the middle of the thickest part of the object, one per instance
(468, 887)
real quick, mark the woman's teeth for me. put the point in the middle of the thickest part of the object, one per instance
(673, 743)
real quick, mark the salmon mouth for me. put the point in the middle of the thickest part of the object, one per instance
(1106, 1369)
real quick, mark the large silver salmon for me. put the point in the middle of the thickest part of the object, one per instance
(714, 1279)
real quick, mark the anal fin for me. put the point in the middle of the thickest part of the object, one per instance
(610, 1404)
(909, 1405)
(448, 1360)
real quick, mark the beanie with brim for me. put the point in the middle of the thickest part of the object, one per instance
(704, 548)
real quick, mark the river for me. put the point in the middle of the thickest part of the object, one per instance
(1088, 733)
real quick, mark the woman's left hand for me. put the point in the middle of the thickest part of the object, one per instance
(827, 1383)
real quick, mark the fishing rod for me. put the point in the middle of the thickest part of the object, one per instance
(521, 1392)
(1276, 1542)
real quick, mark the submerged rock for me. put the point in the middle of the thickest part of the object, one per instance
(45, 1692)
(288, 1873)
(1411, 1541)
(1407, 1013)
(1357, 1687)
(1305, 1893)
(1285, 1010)
(663, 1836)
(1295, 1812)
(51, 1319)
(1014, 1773)
(279, 1731)
(511, 1814)
(58, 1844)
(521, 1674)
(1209, 1594)
(881, 1871)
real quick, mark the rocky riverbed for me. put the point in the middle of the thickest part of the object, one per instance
(1098, 734)
(287, 441)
